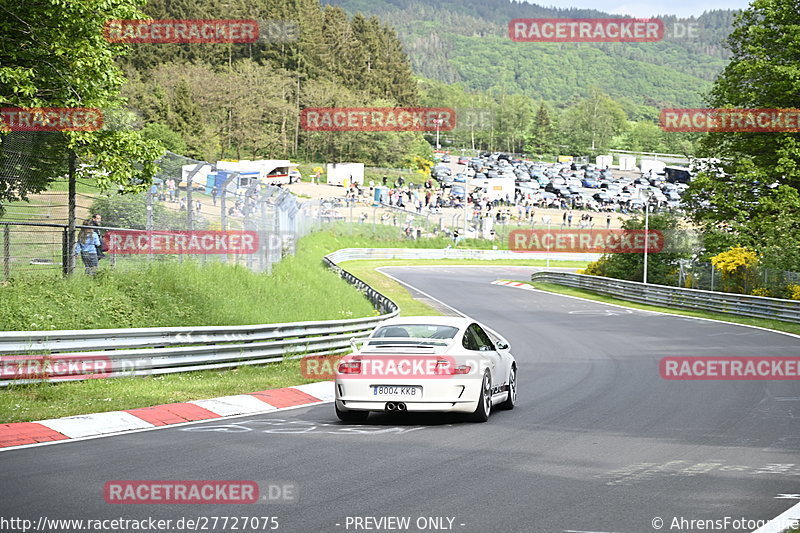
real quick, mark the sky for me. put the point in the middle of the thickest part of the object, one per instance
(681, 8)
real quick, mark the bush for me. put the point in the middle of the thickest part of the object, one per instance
(596, 268)
(794, 292)
(737, 267)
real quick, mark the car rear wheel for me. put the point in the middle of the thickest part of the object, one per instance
(352, 416)
(484, 408)
(512, 391)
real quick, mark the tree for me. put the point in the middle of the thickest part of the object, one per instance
(542, 138)
(661, 266)
(589, 125)
(752, 199)
(764, 72)
(644, 137)
(53, 54)
(169, 139)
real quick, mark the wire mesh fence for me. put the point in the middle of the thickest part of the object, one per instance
(177, 217)
(755, 280)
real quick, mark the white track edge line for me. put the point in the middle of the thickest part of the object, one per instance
(380, 269)
(782, 522)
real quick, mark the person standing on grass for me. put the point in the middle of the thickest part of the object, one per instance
(87, 244)
(97, 220)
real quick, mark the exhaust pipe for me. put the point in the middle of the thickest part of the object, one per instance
(390, 406)
(401, 406)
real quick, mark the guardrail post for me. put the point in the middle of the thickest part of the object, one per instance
(6, 252)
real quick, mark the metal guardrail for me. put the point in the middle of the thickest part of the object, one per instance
(33, 356)
(718, 302)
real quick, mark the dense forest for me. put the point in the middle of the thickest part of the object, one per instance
(467, 41)
(243, 100)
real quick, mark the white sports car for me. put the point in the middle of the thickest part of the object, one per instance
(429, 364)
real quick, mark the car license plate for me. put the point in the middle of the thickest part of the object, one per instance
(395, 390)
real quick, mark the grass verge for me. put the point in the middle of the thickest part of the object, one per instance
(759, 322)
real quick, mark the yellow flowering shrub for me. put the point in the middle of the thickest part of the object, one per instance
(736, 267)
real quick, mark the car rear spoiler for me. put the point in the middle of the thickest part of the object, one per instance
(380, 344)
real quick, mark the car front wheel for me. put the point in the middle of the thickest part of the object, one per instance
(512, 391)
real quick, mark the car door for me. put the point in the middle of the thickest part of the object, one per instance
(489, 353)
(503, 350)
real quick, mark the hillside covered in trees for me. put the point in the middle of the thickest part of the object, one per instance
(467, 42)
(243, 100)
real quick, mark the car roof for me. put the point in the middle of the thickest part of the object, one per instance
(455, 321)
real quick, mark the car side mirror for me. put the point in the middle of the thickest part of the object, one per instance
(503, 346)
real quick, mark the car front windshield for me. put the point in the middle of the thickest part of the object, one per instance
(417, 331)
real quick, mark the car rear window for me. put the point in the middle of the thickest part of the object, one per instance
(419, 331)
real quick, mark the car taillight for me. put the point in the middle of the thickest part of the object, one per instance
(350, 367)
(446, 368)
(442, 368)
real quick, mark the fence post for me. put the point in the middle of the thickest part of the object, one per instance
(149, 213)
(70, 241)
(264, 237)
(65, 251)
(6, 252)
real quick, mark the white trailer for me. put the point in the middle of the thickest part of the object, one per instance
(345, 173)
(604, 161)
(627, 162)
(495, 188)
(653, 166)
(261, 171)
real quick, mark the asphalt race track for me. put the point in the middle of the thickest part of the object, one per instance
(598, 441)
